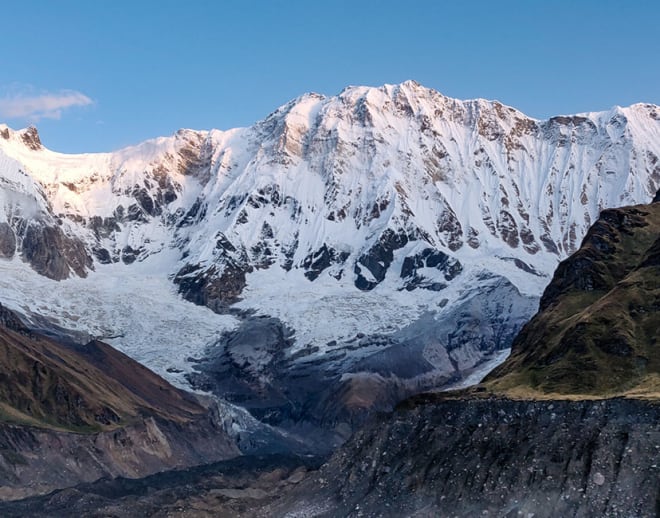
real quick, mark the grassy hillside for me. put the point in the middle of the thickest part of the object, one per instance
(597, 330)
(86, 389)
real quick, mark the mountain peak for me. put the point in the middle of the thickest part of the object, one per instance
(28, 136)
(411, 83)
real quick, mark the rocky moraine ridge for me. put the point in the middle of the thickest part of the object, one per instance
(424, 228)
(493, 457)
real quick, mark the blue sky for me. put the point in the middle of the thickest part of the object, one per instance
(99, 75)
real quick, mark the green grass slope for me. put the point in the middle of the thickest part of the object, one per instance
(596, 333)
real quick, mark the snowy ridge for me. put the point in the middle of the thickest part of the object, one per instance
(346, 215)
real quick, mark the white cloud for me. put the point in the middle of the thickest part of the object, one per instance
(36, 106)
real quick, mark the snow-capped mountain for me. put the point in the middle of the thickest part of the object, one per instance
(396, 238)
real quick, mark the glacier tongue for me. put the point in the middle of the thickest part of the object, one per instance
(401, 236)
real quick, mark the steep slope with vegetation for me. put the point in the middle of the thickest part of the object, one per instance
(596, 333)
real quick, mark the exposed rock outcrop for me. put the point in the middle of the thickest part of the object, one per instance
(7, 241)
(377, 259)
(428, 258)
(53, 254)
(209, 288)
(31, 138)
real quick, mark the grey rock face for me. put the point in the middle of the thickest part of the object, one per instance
(35, 461)
(209, 288)
(7, 241)
(378, 259)
(428, 258)
(52, 254)
(316, 262)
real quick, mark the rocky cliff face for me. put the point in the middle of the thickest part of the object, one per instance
(357, 221)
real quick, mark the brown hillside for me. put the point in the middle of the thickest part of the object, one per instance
(82, 388)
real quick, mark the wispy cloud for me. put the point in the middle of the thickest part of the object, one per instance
(34, 106)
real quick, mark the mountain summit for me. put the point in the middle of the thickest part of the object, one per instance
(344, 252)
